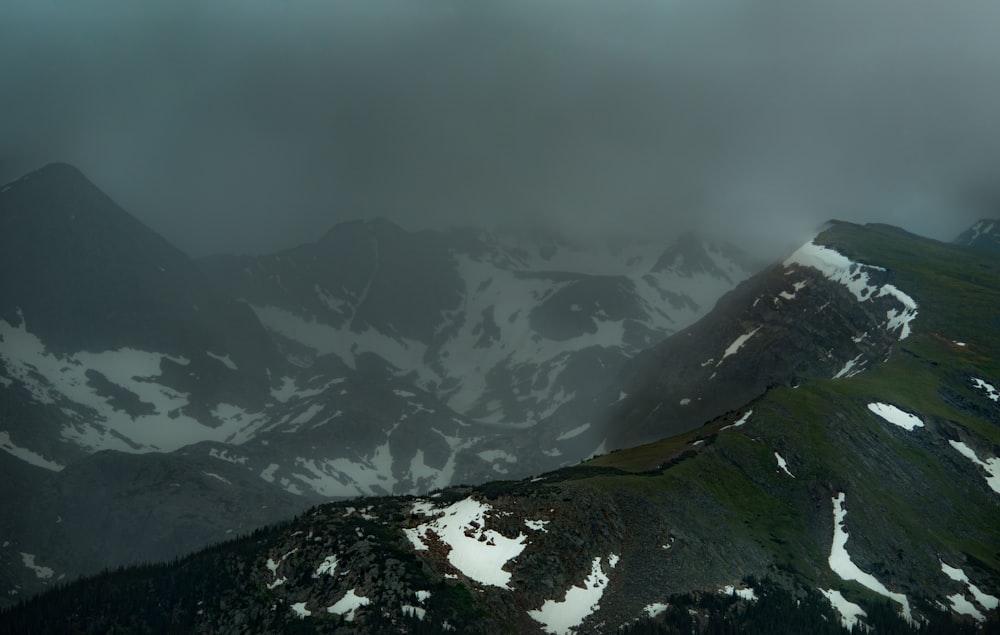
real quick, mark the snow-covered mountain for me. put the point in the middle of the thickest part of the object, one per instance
(136, 383)
(859, 491)
(984, 234)
(504, 327)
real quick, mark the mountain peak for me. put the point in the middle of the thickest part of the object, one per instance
(48, 176)
(984, 234)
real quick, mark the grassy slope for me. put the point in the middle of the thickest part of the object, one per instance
(911, 498)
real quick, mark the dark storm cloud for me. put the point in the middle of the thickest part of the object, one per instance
(254, 125)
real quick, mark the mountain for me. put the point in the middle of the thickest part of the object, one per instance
(984, 234)
(502, 326)
(151, 404)
(858, 486)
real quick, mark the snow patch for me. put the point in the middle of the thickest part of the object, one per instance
(561, 617)
(654, 609)
(27, 455)
(42, 573)
(224, 455)
(960, 604)
(895, 416)
(851, 368)
(496, 455)
(226, 361)
(782, 464)
(347, 605)
(991, 392)
(747, 594)
(840, 561)
(327, 567)
(477, 552)
(849, 611)
(537, 525)
(268, 473)
(222, 479)
(739, 422)
(575, 432)
(991, 465)
(737, 344)
(300, 610)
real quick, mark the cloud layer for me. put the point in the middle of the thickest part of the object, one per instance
(252, 125)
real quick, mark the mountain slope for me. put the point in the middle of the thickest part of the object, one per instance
(137, 384)
(820, 313)
(498, 325)
(870, 498)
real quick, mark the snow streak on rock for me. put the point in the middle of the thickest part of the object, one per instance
(737, 344)
(991, 392)
(739, 422)
(960, 604)
(855, 276)
(747, 594)
(991, 465)
(654, 609)
(851, 368)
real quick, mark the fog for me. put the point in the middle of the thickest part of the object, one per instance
(250, 126)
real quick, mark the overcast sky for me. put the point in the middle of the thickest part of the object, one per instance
(252, 125)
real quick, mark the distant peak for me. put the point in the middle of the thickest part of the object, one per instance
(57, 171)
(378, 225)
(984, 234)
(51, 173)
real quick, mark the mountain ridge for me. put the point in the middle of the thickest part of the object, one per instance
(867, 498)
(162, 361)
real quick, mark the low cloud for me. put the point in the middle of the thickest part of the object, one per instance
(253, 125)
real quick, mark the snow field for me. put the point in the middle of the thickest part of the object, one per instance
(50, 378)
